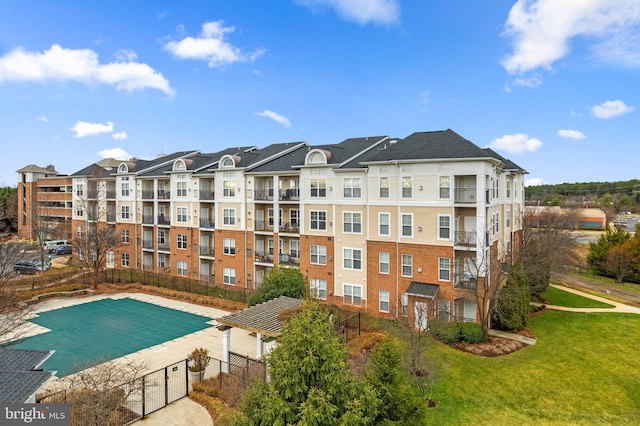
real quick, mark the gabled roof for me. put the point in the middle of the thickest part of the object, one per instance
(32, 168)
(284, 163)
(348, 148)
(95, 171)
(422, 289)
(262, 318)
(507, 164)
(258, 156)
(18, 380)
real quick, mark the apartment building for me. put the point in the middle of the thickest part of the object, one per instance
(389, 226)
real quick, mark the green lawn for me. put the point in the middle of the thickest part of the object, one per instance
(556, 296)
(608, 282)
(583, 370)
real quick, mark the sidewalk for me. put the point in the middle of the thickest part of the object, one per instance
(183, 412)
(617, 307)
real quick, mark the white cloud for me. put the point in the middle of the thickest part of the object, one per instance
(530, 82)
(533, 182)
(571, 134)
(117, 153)
(83, 129)
(516, 143)
(82, 65)
(275, 117)
(610, 109)
(542, 30)
(210, 46)
(126, 55)
(119, 136)
(43, 119)
(360, 11)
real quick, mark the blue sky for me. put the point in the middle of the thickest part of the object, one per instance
(552, 85)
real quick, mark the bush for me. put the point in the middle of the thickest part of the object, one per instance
(471, 332)
(446, 332)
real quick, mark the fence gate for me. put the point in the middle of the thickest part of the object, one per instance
(164, 386)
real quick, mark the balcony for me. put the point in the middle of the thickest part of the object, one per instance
(111, 217)
(163, 220)
(465, 195)
(291, 259)
(261, 225)
(147, 194)
(147, 219)
(206, 251)
(291, 194)
(464, 238)
(164, 195)
(263, 194)
(206, 194)
(164, 246)
(206, 222)
(465, 281)
(262, 257)
(290, 227)
(147, 244)
(111, 194)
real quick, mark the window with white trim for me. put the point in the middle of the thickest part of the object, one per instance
(384, 187)
(229, 245)
(125, 212)
(80, 190)
(229, 188)
(444, 227)
(445, 187)
(270, 246)
(124, 259)
(294, 216)
(162, 260)
(124, 235)
(182, 241)
(385, 220)
(318, 288)
(383, 296)
(181, 188)
(508, 189)
(444, 269)
(444, 308)
(229, 276)
(79, 211)
(182, 267)
(407, 187)
(318, 254)
(318, 188)
(352, 259)
(271, 219)
(162, 235)
(407, 224)
(383, 260)
(124, 186)
(294, 249)
(229, 216)
(181, 214)
(405, 304)
(352, 294)
(407, 265)
(318, 220)
(79, 232)
(352, 222)
(508, 219)
(352, 187)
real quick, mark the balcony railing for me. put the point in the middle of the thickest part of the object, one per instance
(206, 222)
(164, 195)
(147, 219)
(263, 194)
(466, 238)
(291, 227)
(164, 246)
(164, 220)
(261, 225)
(111, 217)
(111, 194)
(206, 194)
(147, 244)
(262, 257)
(289, 259)
(466, 281)
(291, 194)
(465, 195)
(147, 194)
(206, 251)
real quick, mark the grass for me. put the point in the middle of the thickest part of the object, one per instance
(605, 281)
(582, 371)
(556, 296)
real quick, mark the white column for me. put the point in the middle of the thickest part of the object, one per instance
(259, 351)
(226, 346)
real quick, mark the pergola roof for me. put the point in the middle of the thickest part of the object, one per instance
(262, 318)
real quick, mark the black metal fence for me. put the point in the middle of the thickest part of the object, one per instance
(50, 279)
(125, 403)
(348, 328)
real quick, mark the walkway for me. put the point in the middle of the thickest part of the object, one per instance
(184, 412)
(617, 307)
(574, 282)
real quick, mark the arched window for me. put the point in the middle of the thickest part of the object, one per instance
(123, 168)
(227, 163)
(316, 157)
(179, 165)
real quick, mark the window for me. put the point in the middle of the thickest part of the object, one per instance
(497, 222)
(162, 260)
(124, 187)
(182, 267)
(125, 235)
(162, 237)
(352, 222)
(270, 246)
(405, 304)
(444, 269)
(181, 216)
(318, 187)
(182, 241)
(318, 288)
(124, 258)
(295, 217)
(316, 158)
(318, 254)
(181, 187)
(352, 187)
(80, 190)
(79, 211)
(319, 220)
(229, 245)
(79, 232)
(229, 276)
(125, 213)
(383, 295)
(229, 216)
(385, 219)
(272, 219)
(383, 257)
(294, 249)
(407, 225)
(507, 219)
(508, 189)
(352, 294)
(229, 188)
(228, 162)
(445, 187)
(444, 307)
(406, 187)
(444, 227)
(407, 265)
(352, 259)
(384, 187)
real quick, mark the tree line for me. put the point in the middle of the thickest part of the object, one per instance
(587, 190)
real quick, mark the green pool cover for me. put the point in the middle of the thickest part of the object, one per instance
(106, 329)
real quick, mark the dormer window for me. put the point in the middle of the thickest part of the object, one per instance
(179, 165)
(227, 163)
(123, 168)
(316, 158)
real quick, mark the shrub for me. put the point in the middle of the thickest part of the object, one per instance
(446, 332)
(471, 332)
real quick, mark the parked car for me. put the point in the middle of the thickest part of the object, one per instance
(63, 249)
(49, 246)
(30, 266)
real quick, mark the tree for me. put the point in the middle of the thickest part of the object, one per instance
(310, 381)
(398, 403)
(12, 316)
(597, 255)
(281, 282)
(8, 209)
(619, 260)
(512, 310)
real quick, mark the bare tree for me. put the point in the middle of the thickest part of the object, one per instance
(12, 315)
(619, 261)
(421, 369)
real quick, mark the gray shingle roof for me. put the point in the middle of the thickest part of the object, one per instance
(422, 289)
(18, 380)
(283, 163)
(262, 318)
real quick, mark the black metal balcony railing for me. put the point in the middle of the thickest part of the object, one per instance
(147, 219)
(206, 251)
(465, 195)
(289, 258)
(291, 194)
(291, 227)
(262, 257)
(261, 225)
(111, 194)
(147, 244)
(147, 194)
(206, 194)
(466, 238)
(164, 195)
(263, 194)
(206, 222)
(164, 220)
(466, 281)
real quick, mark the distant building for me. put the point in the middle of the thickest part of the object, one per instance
(568, 218)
